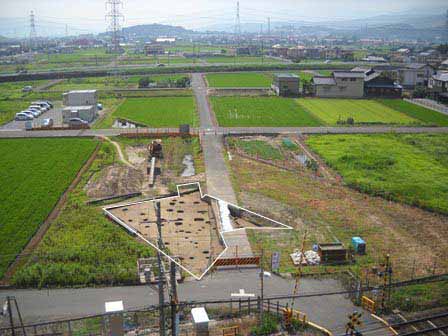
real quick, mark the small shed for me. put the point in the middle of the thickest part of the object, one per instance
(200, 321)
(332, 253)
(286, 85)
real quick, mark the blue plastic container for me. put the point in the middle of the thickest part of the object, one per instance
(359, 245)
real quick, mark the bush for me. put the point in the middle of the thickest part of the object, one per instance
(144, 82)
(268, 326)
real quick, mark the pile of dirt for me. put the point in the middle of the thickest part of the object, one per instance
(115, 180)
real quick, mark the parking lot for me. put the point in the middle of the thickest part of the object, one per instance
(55, 114)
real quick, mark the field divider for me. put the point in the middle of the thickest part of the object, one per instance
(43, 228)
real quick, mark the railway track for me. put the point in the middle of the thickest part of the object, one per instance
(435, 324)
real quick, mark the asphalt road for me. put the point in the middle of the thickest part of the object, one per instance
(21, 133)
(328, 311)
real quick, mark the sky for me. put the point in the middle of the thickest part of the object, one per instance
(88, 15)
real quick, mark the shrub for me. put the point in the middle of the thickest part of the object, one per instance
(268, 326)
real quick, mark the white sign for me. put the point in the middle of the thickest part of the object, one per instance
(114, 306)
(242, 293)
(275, 261)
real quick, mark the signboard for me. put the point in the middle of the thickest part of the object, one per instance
(275, 261)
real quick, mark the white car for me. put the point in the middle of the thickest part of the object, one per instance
(43, 109)
(23, 116)
(34, 113)
(42, 104)
(33, 109)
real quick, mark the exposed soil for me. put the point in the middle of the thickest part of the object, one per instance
(330, 209)
(188, 228)
(115, 180)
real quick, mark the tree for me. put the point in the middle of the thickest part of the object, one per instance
(144, 82)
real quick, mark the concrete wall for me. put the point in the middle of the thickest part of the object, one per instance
(342, 89)
(74, 98)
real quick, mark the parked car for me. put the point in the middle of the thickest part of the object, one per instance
(99, 106)
(42, 104)
(23, 116)
(160, 65)
(33, 109)
(49, 103)
(48, 122)
(42, 109)
(27, 88)
(33, 112)
(75, 122)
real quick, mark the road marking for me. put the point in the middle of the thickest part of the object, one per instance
(242, 293)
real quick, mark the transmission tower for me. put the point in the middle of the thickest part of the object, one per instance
(114, 17)
(269, 26)
(237, 22)
(446, 27)
(33, 33)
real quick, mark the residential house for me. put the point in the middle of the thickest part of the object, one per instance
(286, 85)
(413, 75)
(438, 86)
(279, 51)
(341, 84)
(378, 84)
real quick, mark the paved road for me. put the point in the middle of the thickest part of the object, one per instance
(54, 113)
(329, 311)
(218, 178)
(21, 133)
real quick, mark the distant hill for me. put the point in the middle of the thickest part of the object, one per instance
(148, 31)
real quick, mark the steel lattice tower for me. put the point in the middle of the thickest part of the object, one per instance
(33, 33)
(237, 22)
(446, 27)
(114, 16)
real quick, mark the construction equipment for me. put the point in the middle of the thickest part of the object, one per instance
(155, 149)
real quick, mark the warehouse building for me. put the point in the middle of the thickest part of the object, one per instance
(80, 98)
(341, 84)
(87, 113)
(80, 104)
(286, 85)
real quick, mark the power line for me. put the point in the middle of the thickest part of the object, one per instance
(114, 16)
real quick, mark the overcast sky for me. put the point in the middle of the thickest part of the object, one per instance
(89, 14)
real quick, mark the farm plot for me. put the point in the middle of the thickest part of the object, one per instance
(158, 111)
(35, 172)
(236, 80)
(328, 210)
(407, 168)
(337, 111)
(260, 111)
(82, 247)
(421, 113)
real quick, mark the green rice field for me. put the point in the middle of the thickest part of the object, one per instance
(238, 79)
(35, 173)
(260, 111)
(363, 111)
(407, 168)
(158, 111)
(418, 112)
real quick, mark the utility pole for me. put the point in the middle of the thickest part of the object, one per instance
(261, 284)
(174, 300)
(66, 31)
(114, 16)
(11, 319)
(161, 274)
(299, 271)
(269, 26)
(386, 273)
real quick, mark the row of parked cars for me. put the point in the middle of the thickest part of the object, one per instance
(34, 110)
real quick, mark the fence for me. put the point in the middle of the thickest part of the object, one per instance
(429, 103)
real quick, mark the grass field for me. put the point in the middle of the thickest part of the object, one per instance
(82, 247)
(328, 210)
(260, 111)
(330, 111)
(242, 79)
(407, 168)
(428, 116)
(257, 148)
(159, 111)
(35, 172)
